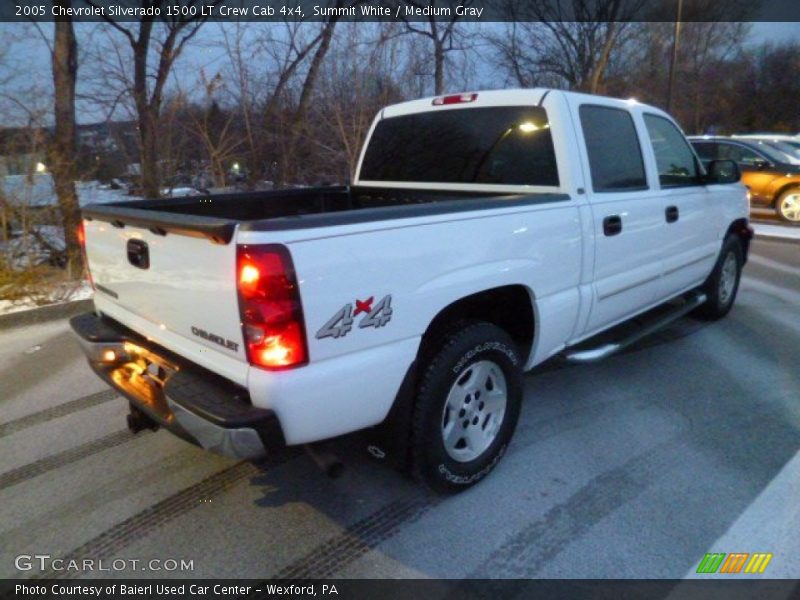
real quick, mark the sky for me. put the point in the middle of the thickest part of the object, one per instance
(776, 32)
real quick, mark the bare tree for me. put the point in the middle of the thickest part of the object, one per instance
(704, 76)
(361, 76)
(215, 127)
(706, 47)
(148, 82)
(27, 207)
(62, 149)
(562, 44)
(274, 69)
(444, 36)
(297, 123)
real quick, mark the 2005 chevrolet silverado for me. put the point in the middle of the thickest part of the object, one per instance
(483, 233)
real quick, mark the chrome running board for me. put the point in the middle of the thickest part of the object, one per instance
(692, 301)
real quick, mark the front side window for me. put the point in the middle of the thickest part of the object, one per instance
(785, 148)
(615, 157)
(674, 158)
(706, 150)
(504, 145)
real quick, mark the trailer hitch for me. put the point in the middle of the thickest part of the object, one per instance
(139, 421)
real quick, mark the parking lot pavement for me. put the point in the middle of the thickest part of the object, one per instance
(775, 232)
(768, 216)
(633, 467)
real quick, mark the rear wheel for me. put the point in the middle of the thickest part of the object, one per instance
(722, 285)
(788, 205)
(467, 407)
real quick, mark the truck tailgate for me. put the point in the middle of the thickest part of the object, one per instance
(183, 287)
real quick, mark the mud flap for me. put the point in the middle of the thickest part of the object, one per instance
(389, 441)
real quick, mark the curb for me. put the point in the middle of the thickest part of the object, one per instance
(776, 238)
(45, 313)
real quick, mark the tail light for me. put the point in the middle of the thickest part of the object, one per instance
(455, 99)
(82, 242)
(269, 306)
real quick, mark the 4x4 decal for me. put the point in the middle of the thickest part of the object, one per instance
(342, 322)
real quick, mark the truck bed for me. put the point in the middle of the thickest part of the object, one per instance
(216, 216)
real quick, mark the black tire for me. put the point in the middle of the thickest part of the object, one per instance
(720, 301)
(459, 357)
(793, 216)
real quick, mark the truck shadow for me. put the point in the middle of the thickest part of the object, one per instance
(662, 446)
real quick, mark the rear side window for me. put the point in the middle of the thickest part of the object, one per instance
(509, 145)
(674, 158)
(615, 157)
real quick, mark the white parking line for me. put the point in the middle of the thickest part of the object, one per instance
(754, 284)
(781, 231)
(774, 264)
(770, 524)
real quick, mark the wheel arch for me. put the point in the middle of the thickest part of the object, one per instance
(509, 307)
(781, 190)
(741, 229)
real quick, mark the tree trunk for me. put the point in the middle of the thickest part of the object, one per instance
(147, 112)
(602, 61)
(62, 147)
(288, 170)
(148, 130)
(438, 51)
(313, 71)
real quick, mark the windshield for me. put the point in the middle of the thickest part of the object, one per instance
(786, 148)
(767, 149)
(507, 145)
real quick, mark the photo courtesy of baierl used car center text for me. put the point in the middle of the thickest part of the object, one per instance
(400, 298)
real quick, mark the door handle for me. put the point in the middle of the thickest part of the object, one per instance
(612, 225)
(138, 253)
(671, 214)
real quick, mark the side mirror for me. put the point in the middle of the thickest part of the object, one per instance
(722, 171)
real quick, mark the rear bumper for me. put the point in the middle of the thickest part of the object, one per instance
(186, 399)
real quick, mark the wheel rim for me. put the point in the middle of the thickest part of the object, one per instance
(727, 279)
(474, 411)
(790, 207)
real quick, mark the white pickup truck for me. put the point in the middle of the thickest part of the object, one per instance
(483, 234)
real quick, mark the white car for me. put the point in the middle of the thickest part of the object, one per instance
(484, 233)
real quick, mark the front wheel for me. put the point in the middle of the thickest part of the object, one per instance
(722, 285)
(788, 205)
(468, 404)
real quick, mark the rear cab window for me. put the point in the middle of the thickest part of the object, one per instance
(612, 144)
(502, 145)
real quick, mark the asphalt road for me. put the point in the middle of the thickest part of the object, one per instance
(633, 467)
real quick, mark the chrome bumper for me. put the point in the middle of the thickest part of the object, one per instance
(199, 406)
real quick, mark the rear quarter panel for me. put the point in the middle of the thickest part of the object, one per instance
(426, 264)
